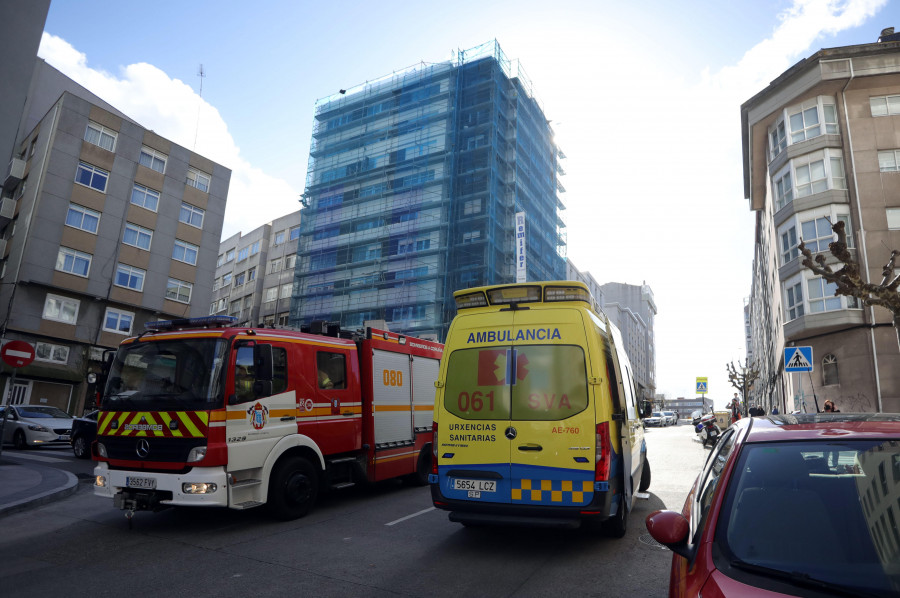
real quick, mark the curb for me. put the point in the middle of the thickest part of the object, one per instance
(69, 488)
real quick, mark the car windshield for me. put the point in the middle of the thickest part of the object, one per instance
(166, 374)
(39, 411)
(821, 511)
(657, 414)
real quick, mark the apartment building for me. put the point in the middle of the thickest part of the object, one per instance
(106, 225)
(821, 144)
(414, 184)
(632, 309)
(254, 277)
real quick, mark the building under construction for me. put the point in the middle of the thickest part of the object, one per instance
(412, 191)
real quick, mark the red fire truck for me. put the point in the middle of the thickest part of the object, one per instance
(199, 412)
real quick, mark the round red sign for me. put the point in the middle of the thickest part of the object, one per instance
(17, 354)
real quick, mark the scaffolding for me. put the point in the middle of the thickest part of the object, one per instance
(412, 187)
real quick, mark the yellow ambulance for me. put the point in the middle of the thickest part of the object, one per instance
(536, 420)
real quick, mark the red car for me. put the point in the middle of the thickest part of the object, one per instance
(791, 505)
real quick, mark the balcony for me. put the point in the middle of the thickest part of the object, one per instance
(15, 175)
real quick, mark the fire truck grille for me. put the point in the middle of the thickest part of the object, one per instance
(150, 448)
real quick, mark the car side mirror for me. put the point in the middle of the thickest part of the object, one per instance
(671, 529)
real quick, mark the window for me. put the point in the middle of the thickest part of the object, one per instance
(178, 290)
(185, 252)
(229, 255)
(152, 159)
(50, 352)
(129, 277)
(61, 309)
(289, 262)
(789, 243)
(145, 197)
(889, 160)
(811, 178)
(220, 260)
(784, 193)
(817, 234)
(332, 370)
(286, 291)
(191, 215)
(274, 266)
(893, 218)
(101, 136)
(295, 233)
(884, 105)
(805, 125)
(83, 218)
(137, 236)
(239, 279)
(254, 248)
(367, 252)
(821, 295)
(222, 302)
(226, 279)
(198, 179)
(838, 178)
(794, 301)
(251, 274)
(91, 176)
(279, 237)
(829, 370)
(73, 262)
(471, 236)
(242, 254)
(271, 294)
(118, 321)
(777, 140)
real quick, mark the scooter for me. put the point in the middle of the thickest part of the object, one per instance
(707, 429)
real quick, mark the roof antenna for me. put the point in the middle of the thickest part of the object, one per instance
(202, 75)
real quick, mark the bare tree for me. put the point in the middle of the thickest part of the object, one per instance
(742, 378)
(848, 281)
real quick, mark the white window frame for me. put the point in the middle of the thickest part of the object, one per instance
(67, 252)
(192, 212)
(145, 193)
(226, 279)
(820, 296)
(74, 207)
(130, 271)
(120, 316)
(290, 261)
(55, 304)
(893, 218)
(279, 237)
(229, 255)
(98, 138)
(285, 292)
(175, 288)
(884, 105)
(242, 254)
(777, 139)
(788, 242)
(294, 233)
(95, 171)
(251, 274)
(140, 233)
(274, 266)
(52, 349)
(271, 294)
(186, 249)
(796, 308)
(783, 187)
(154, 158)
(239, 279)
(198, 179)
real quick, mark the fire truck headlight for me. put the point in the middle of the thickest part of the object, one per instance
(101, 450)
(197, 454)
(198, 488)
(100, 481)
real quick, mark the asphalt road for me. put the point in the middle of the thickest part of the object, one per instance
(374, 542)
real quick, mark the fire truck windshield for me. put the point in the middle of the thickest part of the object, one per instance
(176, 374)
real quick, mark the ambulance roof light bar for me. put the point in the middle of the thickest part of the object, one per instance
(515, 294)
(567, 293)
(204, 322)
(469, 300)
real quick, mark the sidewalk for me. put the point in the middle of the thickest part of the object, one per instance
(24, 484)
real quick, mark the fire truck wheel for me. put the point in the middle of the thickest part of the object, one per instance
(423, 468)
(293, 488)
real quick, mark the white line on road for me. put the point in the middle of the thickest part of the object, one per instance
(45, 459)
(410, 516)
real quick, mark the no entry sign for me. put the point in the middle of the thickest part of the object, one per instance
(17, 354)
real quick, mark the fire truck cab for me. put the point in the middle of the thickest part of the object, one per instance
(197, 412)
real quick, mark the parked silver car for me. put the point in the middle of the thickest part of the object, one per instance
(36, 425)
(671, 416)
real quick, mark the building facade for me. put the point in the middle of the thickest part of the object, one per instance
(633, 310)
(821, 145)
(413, 187)
(109, 226)
(573, 273)
(255, 273)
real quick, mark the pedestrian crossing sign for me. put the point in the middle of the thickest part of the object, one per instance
(702, 386)
(798, 359)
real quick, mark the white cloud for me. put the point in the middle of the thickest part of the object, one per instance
(174, 110)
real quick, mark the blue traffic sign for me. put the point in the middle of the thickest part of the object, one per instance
(798, 359)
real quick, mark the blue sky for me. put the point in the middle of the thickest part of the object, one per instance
(644, 98)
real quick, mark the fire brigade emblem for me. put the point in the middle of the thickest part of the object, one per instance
(259, 415)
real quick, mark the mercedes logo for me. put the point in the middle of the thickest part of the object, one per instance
(142, 448)
(510, 432)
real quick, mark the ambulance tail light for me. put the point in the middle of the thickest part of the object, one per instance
(434, 448)
(604, 453)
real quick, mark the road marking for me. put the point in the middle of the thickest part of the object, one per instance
(45, 459)
(423, 511)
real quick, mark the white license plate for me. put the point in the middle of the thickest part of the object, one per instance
(146, 483)
(475, 486)
(65, 437)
